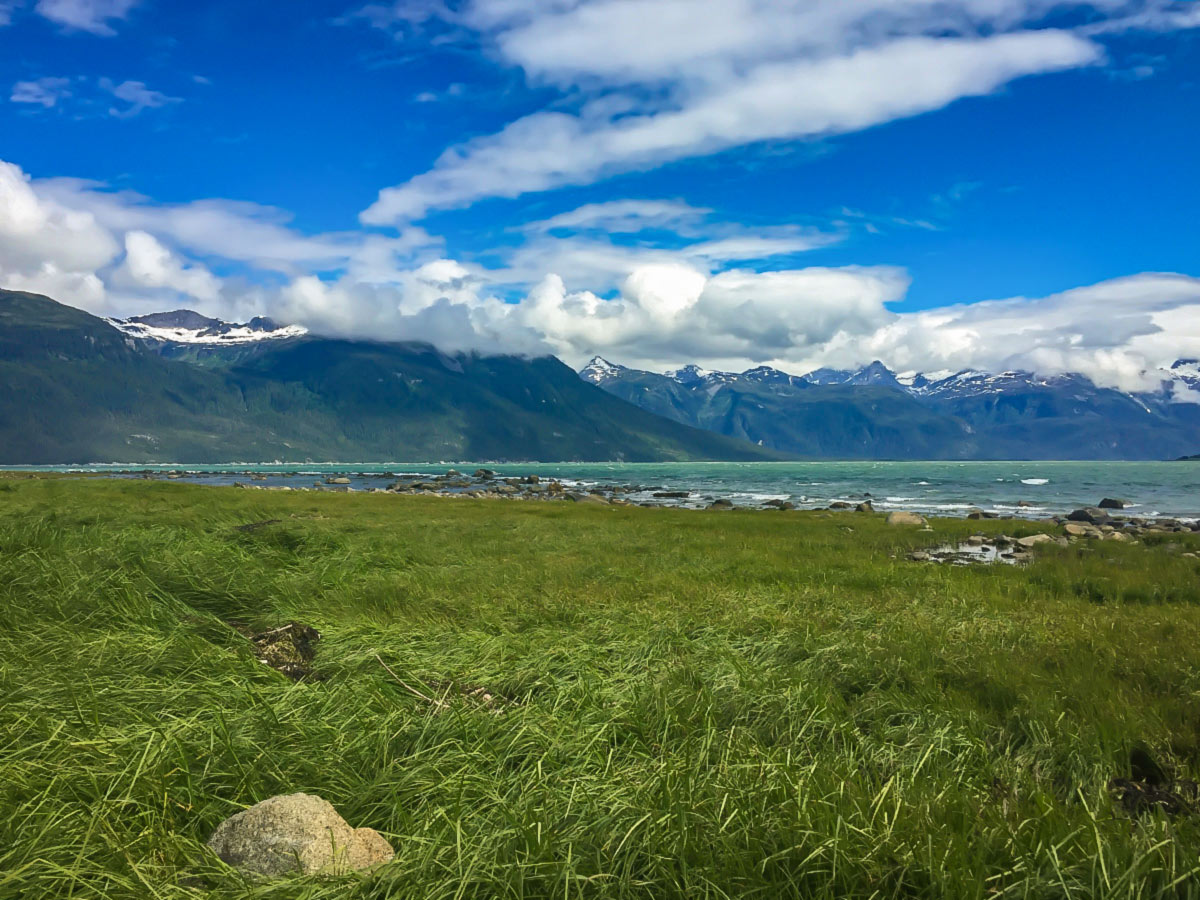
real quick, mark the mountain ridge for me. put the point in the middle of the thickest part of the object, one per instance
(80, 389)
(873, 412)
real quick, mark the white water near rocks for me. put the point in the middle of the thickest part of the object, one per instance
(1027, 489)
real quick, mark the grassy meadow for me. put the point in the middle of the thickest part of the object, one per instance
(683, 704)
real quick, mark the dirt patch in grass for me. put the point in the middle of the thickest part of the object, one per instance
(254, 526)
(1150, 788)
(289, 649)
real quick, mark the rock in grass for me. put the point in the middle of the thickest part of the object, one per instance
(721, 503)
(1033, 540)
(865, 506)
(899, 517)
(297, 834)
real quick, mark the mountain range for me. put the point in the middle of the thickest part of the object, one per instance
(179, 387)
(182, 387)
(874, 413)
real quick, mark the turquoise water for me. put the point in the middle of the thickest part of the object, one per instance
(946, 488)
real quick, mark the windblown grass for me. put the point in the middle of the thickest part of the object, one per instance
(687, 704)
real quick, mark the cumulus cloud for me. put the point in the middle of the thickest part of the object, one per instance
(35, 230)
(579, 243)
(118, 253)
(92, 16)
(1116, 332)
(148, 264)
(44, 92)
(250, 233)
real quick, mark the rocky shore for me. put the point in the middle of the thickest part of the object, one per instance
(1106, 520)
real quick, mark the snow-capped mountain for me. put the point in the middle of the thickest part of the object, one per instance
(599, 370)
(183, 326)
(876, 373)
(875, 412)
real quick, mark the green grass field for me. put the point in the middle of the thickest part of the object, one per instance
(688, 704)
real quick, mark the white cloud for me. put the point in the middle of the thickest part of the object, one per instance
(92, 16)
(625, 217)
(578, 243)
(148, 264)
(1114, 332)
(249, 233)
(656, 81)
(116, 253)
(36, 231)
(136, 95)
(7, 8)
(398, 16)
(88, 95)
(788, 100)
(45, 92)
(663, 80)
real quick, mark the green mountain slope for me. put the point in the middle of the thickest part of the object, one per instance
(78, 390)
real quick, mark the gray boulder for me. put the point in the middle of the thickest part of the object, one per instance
(1111, 503)
(296, 834)
(1033, 540)
(1091, 515)
(900, 517)
(865, 506)
(722, 503)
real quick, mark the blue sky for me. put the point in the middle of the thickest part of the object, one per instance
(661, 181)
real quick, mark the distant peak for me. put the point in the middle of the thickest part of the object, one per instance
(691, 373)
(176, 318)
(185, 326)
(598, 369)
(768, 375)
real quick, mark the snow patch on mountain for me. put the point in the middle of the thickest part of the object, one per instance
(600, 369)
(183, 326)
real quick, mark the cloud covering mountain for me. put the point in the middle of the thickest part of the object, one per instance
(607, 93)
(116, 253)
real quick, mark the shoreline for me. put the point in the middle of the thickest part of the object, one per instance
(486, 483)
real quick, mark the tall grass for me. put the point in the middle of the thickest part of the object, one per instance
(687, 704)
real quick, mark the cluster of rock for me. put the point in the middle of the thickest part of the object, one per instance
(1098, 522)
(485, 483)
(1092, 523)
